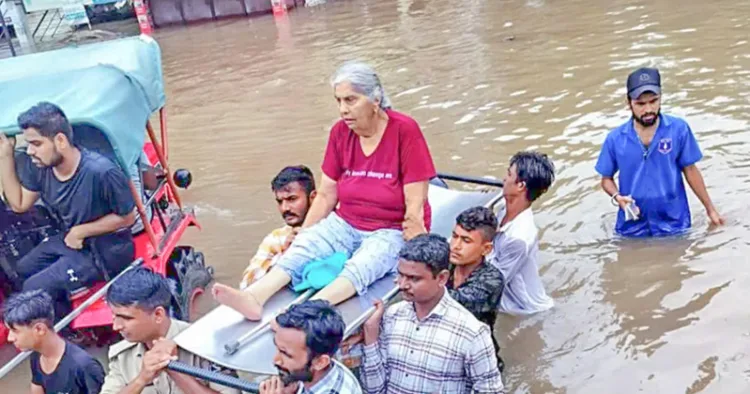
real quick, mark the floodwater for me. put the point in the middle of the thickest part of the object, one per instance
(487, 78)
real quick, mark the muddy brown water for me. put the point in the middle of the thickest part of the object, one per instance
(486, 78)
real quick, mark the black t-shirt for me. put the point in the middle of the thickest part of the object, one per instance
(77, 373)
(98, 188)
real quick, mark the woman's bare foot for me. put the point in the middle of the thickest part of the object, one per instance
(241, 301)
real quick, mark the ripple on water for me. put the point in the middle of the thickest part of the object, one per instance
(244, 101)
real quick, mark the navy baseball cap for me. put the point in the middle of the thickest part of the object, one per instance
(643, 80)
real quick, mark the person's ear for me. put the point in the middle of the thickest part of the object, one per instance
(443, 277)
(160, 314)
(40, 329)
(486, 248)
(321, 362)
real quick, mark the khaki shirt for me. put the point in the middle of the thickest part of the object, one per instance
(125, 360)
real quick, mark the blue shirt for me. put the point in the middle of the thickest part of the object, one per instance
(652, 176)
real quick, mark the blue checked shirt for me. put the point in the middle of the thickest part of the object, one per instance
(339, 380)
(449, 351)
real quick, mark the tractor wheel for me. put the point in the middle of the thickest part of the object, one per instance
(189, 277)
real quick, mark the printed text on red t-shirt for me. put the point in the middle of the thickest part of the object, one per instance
(368, 174)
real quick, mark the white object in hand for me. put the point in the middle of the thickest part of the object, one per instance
(631, 211)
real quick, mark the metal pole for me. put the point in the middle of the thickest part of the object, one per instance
(6, 33)
(39, 24)
(363, 318)
(470, 179)
(215, 377)
(69, 318)
(231, 348)
(23, 32)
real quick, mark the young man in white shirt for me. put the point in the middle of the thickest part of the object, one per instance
(516, 244)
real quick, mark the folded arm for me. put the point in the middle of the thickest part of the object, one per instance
(105, 225)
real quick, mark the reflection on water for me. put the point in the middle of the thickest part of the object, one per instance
(486, 78)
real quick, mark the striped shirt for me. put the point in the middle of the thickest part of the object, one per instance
(267, 255)
(449, 351)
(338, 380)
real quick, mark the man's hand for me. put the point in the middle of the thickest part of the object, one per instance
(6, 146)
(166, 346)
(715, 218)
(371, 328)
(74, 238)
(274, 385)
(412, 228)
(154, 362)
(623, 202)
(348, 343)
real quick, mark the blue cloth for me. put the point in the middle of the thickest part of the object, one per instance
(317, 274)
(653, 176)
(371, 254)
(113, 86)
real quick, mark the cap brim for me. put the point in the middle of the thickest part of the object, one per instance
(643, 89)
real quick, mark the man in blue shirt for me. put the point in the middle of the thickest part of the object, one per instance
(652, 151)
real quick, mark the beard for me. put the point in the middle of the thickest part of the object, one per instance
(55, 161)
(301, 375)
(643, 121)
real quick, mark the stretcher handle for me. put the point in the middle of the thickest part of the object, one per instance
(470, 179)
(354, 326)
(214, 377)
(232, 348)
(69, 318)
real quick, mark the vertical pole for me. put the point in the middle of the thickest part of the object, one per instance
(21, 25)
(141, 12)
(278, 7)
(165, 142)
(160, 153)
(163, 130)
(144, 219)
(6, 33)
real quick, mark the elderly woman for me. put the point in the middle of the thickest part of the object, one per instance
(372, 197)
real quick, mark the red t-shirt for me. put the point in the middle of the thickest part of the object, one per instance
(371, 189)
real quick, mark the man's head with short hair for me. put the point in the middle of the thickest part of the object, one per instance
(140, 301)
(30, 317)
(48, 133)
(423, 268)
(472, 236)
(530, 175)
(307, 336)
(294, 189)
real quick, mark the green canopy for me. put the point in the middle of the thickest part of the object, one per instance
(113, 86)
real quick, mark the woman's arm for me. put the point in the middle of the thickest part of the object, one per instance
(323, 203)
(415, 196)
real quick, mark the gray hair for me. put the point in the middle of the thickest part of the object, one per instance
(364, 80)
